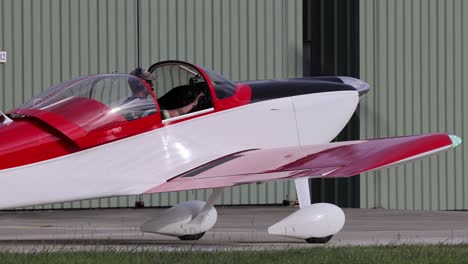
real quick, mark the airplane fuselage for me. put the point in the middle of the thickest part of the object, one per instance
(145, 160)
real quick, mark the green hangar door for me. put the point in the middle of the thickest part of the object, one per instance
(331, 47)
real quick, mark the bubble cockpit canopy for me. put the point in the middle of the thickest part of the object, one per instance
(94, 101)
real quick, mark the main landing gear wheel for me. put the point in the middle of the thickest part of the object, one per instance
(192, 237)
(318, 240)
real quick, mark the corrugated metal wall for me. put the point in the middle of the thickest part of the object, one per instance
(49, 41)
(413, 53)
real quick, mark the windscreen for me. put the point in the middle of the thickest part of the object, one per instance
(223, 87)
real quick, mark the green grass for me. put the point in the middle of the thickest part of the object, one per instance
(358, 254)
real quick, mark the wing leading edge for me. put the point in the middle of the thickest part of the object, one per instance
(333, 160)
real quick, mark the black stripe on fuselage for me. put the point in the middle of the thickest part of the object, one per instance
(274, 89)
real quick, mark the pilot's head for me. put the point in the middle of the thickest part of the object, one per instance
(138, 89)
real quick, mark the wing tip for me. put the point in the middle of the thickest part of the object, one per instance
(456, 140)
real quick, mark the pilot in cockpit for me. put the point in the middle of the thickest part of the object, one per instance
(140, 103)
(139, 92)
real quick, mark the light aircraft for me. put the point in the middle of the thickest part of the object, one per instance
(81, 139)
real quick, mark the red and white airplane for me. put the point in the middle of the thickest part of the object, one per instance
(84, 139)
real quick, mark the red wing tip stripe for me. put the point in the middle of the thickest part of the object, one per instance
(413, 158)
(405, 151)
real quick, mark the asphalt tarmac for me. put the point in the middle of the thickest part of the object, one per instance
(242, 228)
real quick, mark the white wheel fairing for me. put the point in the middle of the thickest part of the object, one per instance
(139, 163)
(182, 220)
(315, 220)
